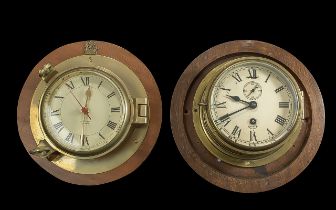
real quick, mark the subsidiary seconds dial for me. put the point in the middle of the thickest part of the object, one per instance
(253, 103)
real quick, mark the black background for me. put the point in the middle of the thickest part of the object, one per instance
(167, 42)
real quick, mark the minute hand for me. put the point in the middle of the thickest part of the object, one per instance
(228, 115)
(251, 104)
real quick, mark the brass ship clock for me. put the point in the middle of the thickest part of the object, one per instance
(247, 116)
(89, 113)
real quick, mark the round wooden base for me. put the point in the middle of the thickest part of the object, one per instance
(133, 63)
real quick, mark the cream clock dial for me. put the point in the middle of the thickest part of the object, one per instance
(89, 113)
(84, 111)
(253, 103)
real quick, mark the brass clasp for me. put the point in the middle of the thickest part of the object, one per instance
(141, 111)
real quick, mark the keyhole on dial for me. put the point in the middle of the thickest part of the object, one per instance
(253, 121)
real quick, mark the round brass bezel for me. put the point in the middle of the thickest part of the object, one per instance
(44, 87)
(218, 144)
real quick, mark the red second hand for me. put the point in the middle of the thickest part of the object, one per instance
(84, 110)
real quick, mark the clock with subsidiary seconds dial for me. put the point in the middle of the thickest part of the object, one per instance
(253, 103)
(89, 113)
(247, 116)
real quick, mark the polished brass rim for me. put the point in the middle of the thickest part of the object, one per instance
(126, 100)
(99, 161)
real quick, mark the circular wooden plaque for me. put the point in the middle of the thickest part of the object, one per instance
(235, 178)
(106, 49)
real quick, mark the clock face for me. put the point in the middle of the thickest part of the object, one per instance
(253, 103)
(83, 112)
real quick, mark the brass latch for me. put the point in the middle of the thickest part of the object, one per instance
(141, 111)
(301, 98)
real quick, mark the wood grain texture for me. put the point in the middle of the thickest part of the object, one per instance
(133, 63)
(236, 178)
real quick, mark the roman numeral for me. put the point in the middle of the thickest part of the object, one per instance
(70, 137)
(86, 80)
(227, 122)
(110, 95)
(279, 89)
(60, 97)
(111, 125)
(55, 112)
(224, 89)
(70, 85)
(280, 120)
(236, 131)
(85, 141)
(253, 73)
(220, 105)
(101, 136)
(253, 136)
(100, 84)
(270, 132)
(59, 126)
(237, 77)
(267, 77)
(283, 104)
(115, 109)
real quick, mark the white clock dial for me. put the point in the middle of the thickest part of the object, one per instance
(84, 111)
(253, 103)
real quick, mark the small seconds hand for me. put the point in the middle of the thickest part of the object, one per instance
(253, 89)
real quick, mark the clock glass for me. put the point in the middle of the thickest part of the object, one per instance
(253, 103)
(83, 112)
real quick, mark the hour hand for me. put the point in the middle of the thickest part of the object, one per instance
(251, 104)
(236, 98)
(88, 95)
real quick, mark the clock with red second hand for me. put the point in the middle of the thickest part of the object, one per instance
(84, 113)
(95, 113)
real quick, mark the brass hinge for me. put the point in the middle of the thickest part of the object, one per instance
(141, 111)
(43, 150)
(47, 72)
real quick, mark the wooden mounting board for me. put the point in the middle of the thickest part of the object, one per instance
(133, 63)
(234, 178)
